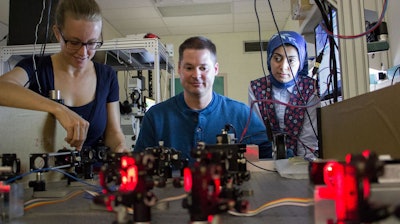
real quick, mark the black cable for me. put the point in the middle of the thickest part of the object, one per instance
(35, 67)
(259, 167)
(249, 136)
(5, 37)
(333, 63)
(324, 13)
(327, 15)
(306, 147)
(317, 63)
(229, 127)
(296, 84)
(380, 20)
(315, 70)
(126, 73)
(47, 29)
(394, 74)
(259, 38)
(43, 47)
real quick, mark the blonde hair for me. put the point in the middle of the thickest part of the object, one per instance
(78, 9)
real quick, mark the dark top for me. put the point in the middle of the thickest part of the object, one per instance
(181, 128)
(95, 112)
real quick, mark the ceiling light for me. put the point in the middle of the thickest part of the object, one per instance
(195, 9)
(172, 2)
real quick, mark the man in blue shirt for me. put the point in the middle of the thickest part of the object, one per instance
(198, 114)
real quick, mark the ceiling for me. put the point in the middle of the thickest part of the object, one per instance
(177, 17)
(192, 16)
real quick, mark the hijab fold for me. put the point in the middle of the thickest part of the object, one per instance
(288, 38)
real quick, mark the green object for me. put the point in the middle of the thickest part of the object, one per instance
(377, 46)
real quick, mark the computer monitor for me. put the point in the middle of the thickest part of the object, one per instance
(325, 78)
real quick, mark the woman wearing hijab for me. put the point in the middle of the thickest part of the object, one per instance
(286, 99)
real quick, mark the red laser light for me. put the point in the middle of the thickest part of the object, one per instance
(187, 179)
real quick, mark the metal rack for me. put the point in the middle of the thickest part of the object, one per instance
(121, 54)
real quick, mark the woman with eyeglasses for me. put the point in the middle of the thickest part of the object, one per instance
(89, 111)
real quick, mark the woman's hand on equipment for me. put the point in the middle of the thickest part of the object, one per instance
(76, 127)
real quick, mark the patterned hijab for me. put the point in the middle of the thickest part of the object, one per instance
(297, 41)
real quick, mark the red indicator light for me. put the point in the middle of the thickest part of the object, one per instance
(341, 186)
(366, 188)
(329, 174)
(366, 153)
(217, 185)
(348, 158)
(210, 218)
(187, 179)
(127, 161)
(129, 174)
(4, 188)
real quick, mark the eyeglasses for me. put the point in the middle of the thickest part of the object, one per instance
(76, 45)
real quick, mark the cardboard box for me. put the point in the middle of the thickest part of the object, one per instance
(26, 131)
(368, 121)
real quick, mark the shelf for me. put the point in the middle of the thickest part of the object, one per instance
(120, 53)
(135, 53)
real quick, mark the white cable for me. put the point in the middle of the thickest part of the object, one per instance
(173, 198)
(269, 207)
(34, 45)
(119, 60)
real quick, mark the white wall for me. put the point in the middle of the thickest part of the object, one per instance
(239, 66)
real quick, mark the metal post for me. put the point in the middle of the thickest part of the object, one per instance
(353, 52)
